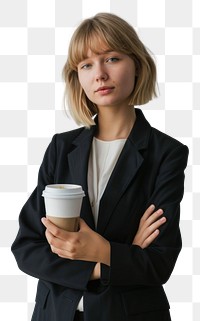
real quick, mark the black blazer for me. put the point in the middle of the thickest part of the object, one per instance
(149, 170)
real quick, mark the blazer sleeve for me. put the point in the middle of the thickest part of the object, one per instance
(31, 249)
(132, 265)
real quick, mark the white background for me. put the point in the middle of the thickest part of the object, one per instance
(34, 36)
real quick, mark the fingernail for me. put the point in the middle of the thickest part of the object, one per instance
(43, 219)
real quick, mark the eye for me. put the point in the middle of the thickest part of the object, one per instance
(86, 66)
(112, 59)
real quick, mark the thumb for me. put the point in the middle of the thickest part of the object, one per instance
(83, 225)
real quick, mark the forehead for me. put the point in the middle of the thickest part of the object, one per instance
(91, 53)
(96, 47)
(88, 45)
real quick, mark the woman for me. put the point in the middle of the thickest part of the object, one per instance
(113, 268)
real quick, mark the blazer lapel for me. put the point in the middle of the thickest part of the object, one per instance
(78, 167)
(125, 170)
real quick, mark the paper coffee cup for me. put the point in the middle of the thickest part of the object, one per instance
(63, 204)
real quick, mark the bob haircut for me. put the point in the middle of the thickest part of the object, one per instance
(112, 32)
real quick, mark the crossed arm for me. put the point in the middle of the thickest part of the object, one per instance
(88, 245)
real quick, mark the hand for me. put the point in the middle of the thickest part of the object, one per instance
(96, 274)
(148, 228)
(86, 244)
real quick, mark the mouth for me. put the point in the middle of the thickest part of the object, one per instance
(104, 89)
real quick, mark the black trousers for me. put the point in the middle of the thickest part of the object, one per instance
(78, 316)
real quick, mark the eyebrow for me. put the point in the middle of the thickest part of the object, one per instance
(102, 53)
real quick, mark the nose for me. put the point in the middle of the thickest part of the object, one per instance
(101, 73)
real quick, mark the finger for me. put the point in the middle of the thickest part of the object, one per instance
(150, 239)
(148, 212)
(65, 254)
(62, 253)
(48, 224)
(56, 231)
(157, 224)
(151, 228)
(145, 222)
(58, 246)
(154, 217)
(51, 239)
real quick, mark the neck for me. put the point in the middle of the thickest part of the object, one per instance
(115, 124)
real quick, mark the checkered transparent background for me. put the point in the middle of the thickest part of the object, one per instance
(34, 36)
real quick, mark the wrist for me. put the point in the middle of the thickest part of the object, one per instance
(105, 259)
(96, 272)
(102, 250)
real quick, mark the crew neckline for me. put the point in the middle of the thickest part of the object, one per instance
(110, 141)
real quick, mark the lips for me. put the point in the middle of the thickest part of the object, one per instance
(104, 89)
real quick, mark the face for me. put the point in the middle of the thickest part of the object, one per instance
(107, 78)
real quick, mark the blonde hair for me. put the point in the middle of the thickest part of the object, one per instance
(117, 35)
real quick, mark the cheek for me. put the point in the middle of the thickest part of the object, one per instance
(84, 84)
(81, 81)
(127, 76)
(131, 78)
(128, 82)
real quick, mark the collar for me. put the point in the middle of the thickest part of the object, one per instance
(139, 135)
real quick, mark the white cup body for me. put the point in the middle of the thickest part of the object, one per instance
(63, 207)
(63, 200)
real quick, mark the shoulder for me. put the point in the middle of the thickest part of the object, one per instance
(69, 136)
(63, 142)
(165, 145)
(165, 139)
(67, 139)
(145, 136)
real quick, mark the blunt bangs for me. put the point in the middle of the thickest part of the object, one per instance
(98, 37)
(79, 49)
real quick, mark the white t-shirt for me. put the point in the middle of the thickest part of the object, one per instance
(102, 160)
